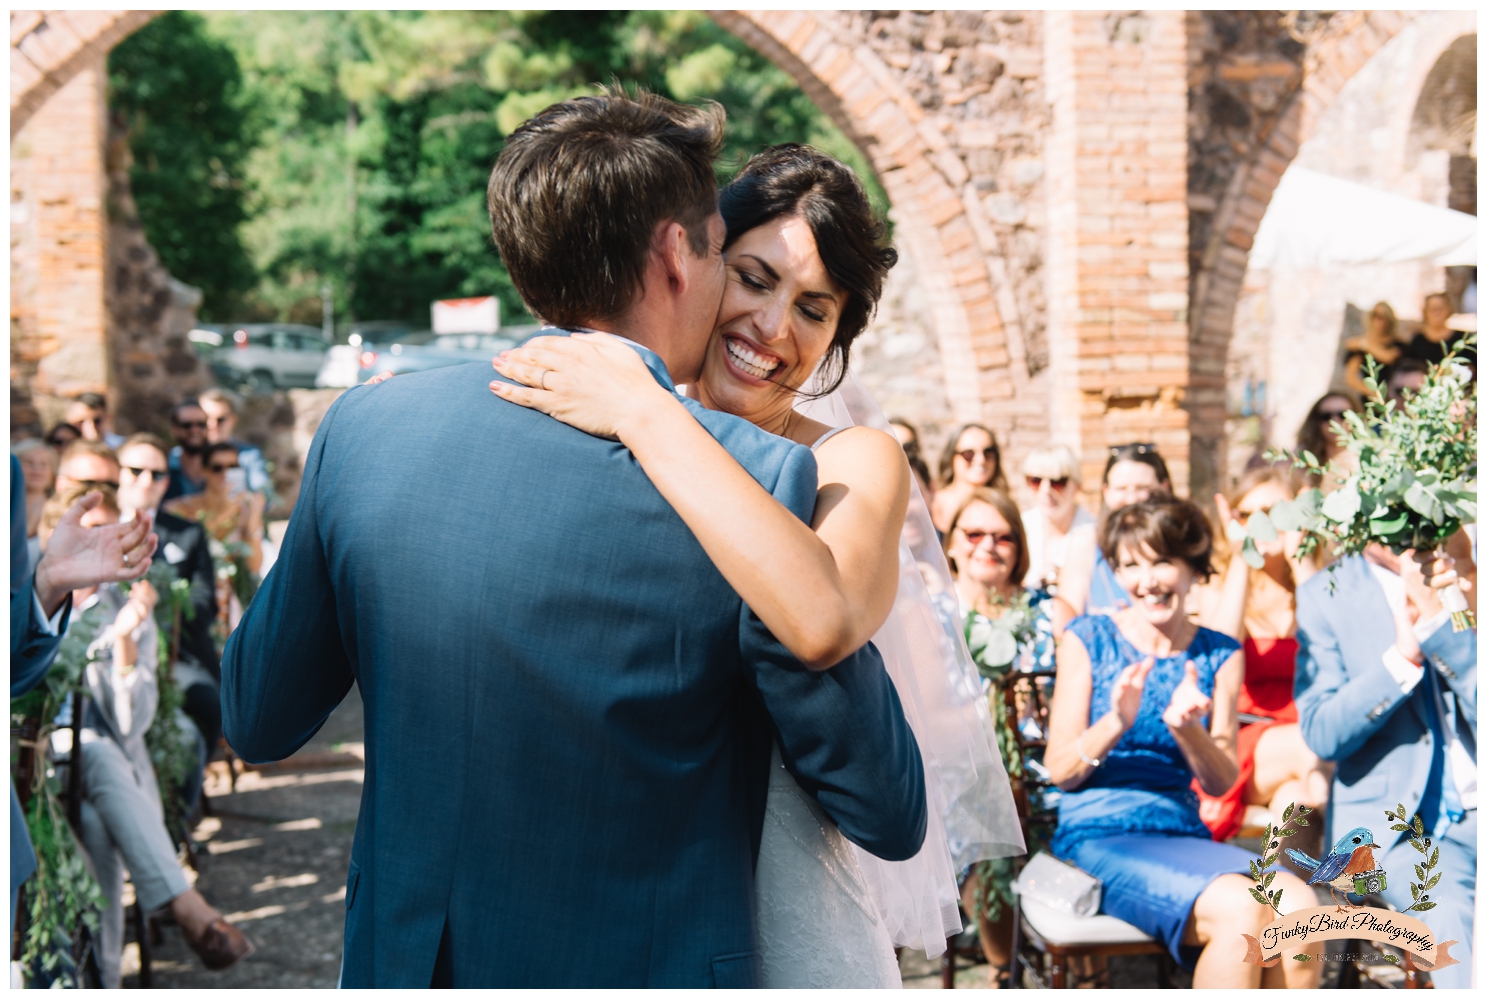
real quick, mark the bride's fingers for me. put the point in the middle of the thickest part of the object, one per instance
(523, 396)
(527, 374)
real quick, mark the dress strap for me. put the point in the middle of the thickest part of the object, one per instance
(826, 437)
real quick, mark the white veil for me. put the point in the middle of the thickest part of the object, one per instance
(971, 812)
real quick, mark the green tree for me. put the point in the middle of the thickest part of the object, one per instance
(377, 131)
(176, 90)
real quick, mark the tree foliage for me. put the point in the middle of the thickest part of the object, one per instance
(376, 130)
(177, 91)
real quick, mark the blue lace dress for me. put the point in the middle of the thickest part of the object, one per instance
(1134, 823)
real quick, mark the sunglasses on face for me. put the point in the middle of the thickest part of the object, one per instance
(155, 474)
(1243, 516)
(95, 483)
(975, 537)
(217, 421)
(192, 425)
(221, 468)
(1035, 482)
(988, 454)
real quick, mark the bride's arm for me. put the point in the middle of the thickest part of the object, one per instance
(822, 589)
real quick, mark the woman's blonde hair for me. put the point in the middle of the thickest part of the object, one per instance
(61, 502)
(22, 448)
(1053, 461)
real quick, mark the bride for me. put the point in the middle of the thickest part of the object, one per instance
(805, 261)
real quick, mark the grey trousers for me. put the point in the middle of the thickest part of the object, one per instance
(1455, 896)
(123, 826)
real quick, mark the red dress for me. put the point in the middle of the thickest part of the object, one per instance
(1269, 680)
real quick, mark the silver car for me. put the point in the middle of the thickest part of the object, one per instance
(425, 350)
(262, 357)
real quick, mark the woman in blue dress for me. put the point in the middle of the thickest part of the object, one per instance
(1144, 702)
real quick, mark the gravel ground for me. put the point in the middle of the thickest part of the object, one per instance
(273, 860)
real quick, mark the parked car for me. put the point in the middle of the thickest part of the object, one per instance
(262, 357)
(425, 350)
(342, 365)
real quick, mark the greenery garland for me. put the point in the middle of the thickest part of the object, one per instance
(61, 896)
(164, 739)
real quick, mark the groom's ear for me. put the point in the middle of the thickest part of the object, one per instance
(672, 247)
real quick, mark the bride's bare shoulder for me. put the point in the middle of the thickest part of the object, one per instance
(863, 454)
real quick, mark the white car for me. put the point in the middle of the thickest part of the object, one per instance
(262, 357)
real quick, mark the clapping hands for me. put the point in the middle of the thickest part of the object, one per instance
(1125, 693)
(1189, 705)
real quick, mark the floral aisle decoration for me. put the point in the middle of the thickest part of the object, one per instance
(61, 897)
(1410, 483)
(165, 738)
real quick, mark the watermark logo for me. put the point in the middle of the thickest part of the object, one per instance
(1349, 871)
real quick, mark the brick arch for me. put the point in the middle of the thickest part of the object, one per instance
(1331, 59)
(49, 47)
(937, 217)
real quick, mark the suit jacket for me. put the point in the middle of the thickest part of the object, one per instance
(562, 696)
(32, 648)
(184, 546)
(1351, 708)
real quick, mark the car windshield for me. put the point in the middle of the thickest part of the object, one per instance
(472, 341)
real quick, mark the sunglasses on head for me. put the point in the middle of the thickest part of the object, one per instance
(222, 468)
(986, 453)
(1034, 482)
(975, 537)
(155, 474)
(191, 425)
(1126, 450)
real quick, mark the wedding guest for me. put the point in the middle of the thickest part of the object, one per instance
(1387, 690)
(908, 437)
(232, 517)
(1379, 341)
(1144, 702)
(220, 407)
(971, 459)
(1056, 520)
(1133, 473)
(1407, 375)
(1007, 629)
(61, 437)
(1258, 607)
(122, 819)
(188, 425)
(90, 415)
(143, 479)
(1318, 433)
(1436, 335)
(39, 465)
(87, 463)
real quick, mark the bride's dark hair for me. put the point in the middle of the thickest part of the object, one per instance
(790, 180)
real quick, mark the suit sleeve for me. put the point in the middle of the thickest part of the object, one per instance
(285, 668)
(842, 731)
(1453, 654)
(1340, 704)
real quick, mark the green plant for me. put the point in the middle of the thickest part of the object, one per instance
(1260, 870)
(1410, 481)
(61, 896)
(1424, 879)
(164, 738)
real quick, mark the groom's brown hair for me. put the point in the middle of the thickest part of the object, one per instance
(580, 187)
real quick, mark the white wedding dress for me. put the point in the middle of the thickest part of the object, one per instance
(830, 914)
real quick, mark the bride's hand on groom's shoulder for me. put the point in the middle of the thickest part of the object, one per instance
(592, 381)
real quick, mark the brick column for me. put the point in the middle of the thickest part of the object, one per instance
(1118, 288)
(59, 249)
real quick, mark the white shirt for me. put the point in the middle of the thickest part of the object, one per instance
(1047, 552)
(1462, 766)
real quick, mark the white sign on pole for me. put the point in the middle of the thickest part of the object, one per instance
(467, 315)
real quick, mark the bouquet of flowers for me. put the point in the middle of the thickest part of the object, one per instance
(1411, 482)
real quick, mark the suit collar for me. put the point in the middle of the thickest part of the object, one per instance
(650, 357)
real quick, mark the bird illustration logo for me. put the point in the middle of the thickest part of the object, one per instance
(1347, 868)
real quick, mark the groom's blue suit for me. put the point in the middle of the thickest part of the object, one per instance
(568, 709)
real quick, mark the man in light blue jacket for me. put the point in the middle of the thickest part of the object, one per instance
(1387, 690)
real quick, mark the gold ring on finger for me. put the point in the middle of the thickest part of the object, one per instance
(543, 380)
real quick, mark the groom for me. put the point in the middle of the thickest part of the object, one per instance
(569, 711)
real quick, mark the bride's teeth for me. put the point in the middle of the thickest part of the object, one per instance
(751, 362)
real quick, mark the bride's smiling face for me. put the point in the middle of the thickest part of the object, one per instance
(778, 317)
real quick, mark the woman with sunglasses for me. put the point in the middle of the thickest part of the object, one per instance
(988, 553)
(1258, 607)
(1133, 473)
(971, 459)
(1056, 519)
(233, 517)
